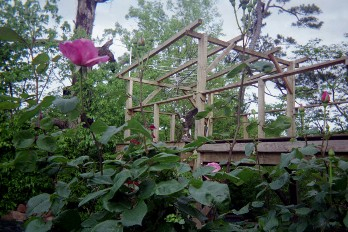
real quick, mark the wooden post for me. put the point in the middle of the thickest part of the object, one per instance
(129, 104)
(290, 101)
(261, 108)
(201, 83)
(245, 124)
(210, 116)
(156, 122)
(172, 128)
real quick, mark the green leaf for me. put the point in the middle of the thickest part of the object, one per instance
(110, 131)
(262, 66)
(38, 225)
(6, 105)
(345, 220)
(257, 204)
(66, 105)
(242, 211)
(183, 168)
(46, 123)
(23, 139)
(78, 161)
(202, 170)
(198, 142)
(168, 187)
(7, 34)
(249, 149)
(93, 196)
(47, 101)
(202, 114)
(25, 161)
(119, 180)
(108, 226)
(343, 165)
(146, 189)
(28, 114)
(93, 219)
(39, 204)
(62, 189)
(285, 158)
(99, 127)
(42, 68)
(304, 211)
(42, 58)
(165, 158)
(134, 216)
(188, 209)
(235, 71)
(211, 193)
(56, 58)
(57, 159)
(69, 220)
(280, 181)
(136, 127)
(275, 127)
(46, 143)
(309, 150)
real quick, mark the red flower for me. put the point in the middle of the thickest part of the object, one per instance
(82, 52)
(134, 141)
(152, 127)
(325, 97)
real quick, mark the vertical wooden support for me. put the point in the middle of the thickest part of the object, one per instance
(245, 124)
(129, 104)
(156, 122)
(201, 82)
(261, 108)
(290, 102)
(210, 116)
(172, 128)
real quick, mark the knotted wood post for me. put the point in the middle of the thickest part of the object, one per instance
(156, 122)
(210, 116)
(290, 101)
(172, 128)
(261, 108)
(129, 104)
(245, 123)
(201, 83)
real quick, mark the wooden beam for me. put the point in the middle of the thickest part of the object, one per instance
(164, 45)
(193, 61)
(164, 101)
(210, 120)
(193, 102)
(236, 48)
(172, 128)
(290, 102)
(129, 103)
(280, 75)
(151, 112)
(245, 123)
(156, 123)
(280, 70)
(151, 95)
(261, 108)
(155, 83)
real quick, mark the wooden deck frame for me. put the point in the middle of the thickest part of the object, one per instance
(196, 93)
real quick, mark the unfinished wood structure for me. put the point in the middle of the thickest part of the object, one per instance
(199, 95)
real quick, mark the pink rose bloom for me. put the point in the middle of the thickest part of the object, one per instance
(82, 52)
(325, 97)
(214, 165)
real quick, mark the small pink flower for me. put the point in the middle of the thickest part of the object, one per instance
(82, 52)
(135, 141)
(325, 97)
(214, 165)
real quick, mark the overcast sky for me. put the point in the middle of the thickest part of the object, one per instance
(335, 17)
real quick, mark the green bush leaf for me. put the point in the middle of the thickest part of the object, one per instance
(165, 158)
(39, 204)
(280, 181)
(285, 158)
(136, 127)
(134, 216)
(99, 127)
(7, 34)
(202, 114)
(146, 189)
(211, 193)
(168, 187)
(25, 161)
(6, 105)
(62, 189)
(183, 168)
(66, 105)
(249, 149)
(38, 225)
(235, 71)
(93, 196)
(42, 68)
(119, 180)
(304, 211)
(78, 161)
(202, 170)
(242, 211)
(309, 150)
(46, 143)
(110, 131)
(108, 226)
(198, 142)
(42, 58)
(345, 220)
(275, 127)
(23, 139)
(262, 66)
(69, 220)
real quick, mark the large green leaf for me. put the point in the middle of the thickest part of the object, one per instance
(137, 127)
(25, 161)
(23, 139)
(170, 186)
(109, 132)
(262, 66)
(345, 220)
(108, 226)
(243, 210)
(202, 114)
(165, 158)
(66, 105)
(99, 127)
(235, 71)
(7, 105)
(78, 161)
(249, 149)
(146, 189)
(309, 150)
(38, 225)
(42, 58)
(119, 180)
(134, 216)
(202, 170)
(198, 142)
(183, 168)
(275, 127)
(39, 204)
(7, 34)
(285, 158)
(93, 196)
(280, 181)
(304, 211)
(62, 189)
(46, 143)
(211, 193)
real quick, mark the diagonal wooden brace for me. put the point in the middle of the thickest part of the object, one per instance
(280, 70)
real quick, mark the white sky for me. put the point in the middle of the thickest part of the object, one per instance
(335, 17)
